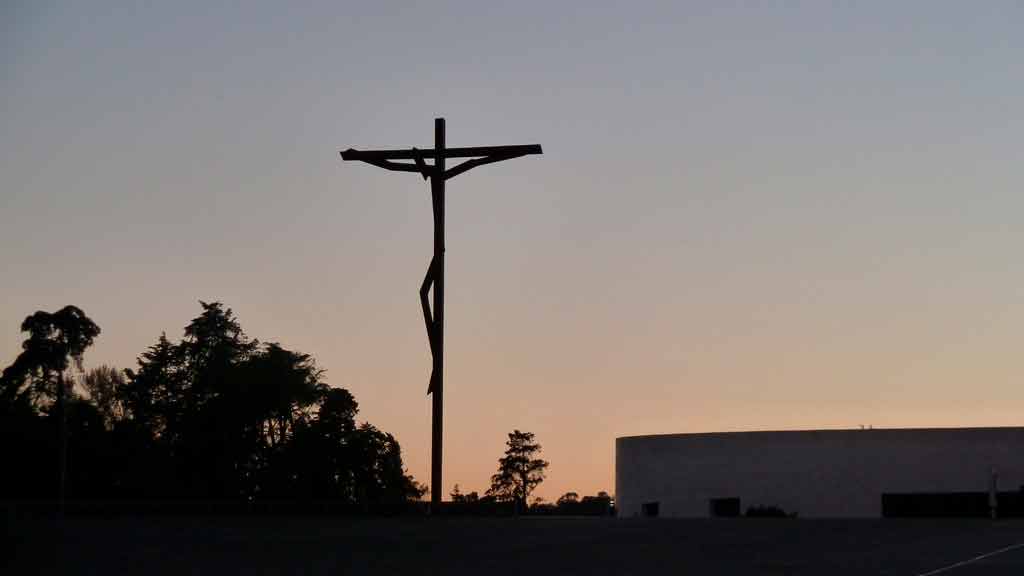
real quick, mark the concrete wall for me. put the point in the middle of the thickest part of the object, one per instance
(821, 473)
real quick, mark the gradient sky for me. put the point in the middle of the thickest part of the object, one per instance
(772, 216)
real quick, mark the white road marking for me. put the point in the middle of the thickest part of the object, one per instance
(972, 560)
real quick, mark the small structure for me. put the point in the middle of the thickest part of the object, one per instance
(822, 473)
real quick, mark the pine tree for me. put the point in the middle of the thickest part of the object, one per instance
(519, 471)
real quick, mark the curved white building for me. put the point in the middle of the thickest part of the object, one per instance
(815, 473)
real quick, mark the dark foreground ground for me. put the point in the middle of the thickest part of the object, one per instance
(454, 546)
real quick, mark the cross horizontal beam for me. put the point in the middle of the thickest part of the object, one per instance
(429, 153)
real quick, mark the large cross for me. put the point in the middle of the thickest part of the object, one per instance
(434, 318)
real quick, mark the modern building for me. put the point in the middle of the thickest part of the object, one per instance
(821, 473)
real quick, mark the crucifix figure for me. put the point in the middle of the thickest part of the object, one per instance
(433, 317)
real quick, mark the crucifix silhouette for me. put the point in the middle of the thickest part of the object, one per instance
(434, 317)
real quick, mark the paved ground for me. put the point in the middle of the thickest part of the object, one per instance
(454, 546)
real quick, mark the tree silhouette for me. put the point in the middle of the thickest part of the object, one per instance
(280, 388)
(103, 385)
(55, 341)
(214, 345)
(519, 471)
(567, 498)
(379, 475)
(215, 416)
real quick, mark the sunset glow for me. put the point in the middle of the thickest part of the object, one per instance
(745, 218)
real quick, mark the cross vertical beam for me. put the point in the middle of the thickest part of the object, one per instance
(434, 318)
(436, 429)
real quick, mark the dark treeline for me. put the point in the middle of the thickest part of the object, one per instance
(216, 416)
(569, 504)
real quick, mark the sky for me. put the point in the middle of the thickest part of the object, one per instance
(747, 216)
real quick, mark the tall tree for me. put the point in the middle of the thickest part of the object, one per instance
(281, 387)
(154, 392)
(277, 391)
(214, 344)
(55, 341)
(380, 476)
(322, 453)
(216, 444)
(103, 385)
(519, 471)
(337, 412)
